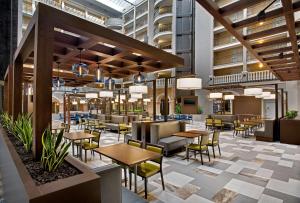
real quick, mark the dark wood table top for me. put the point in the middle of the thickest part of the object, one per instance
(127, 154)
(78, 136)
(191, 133)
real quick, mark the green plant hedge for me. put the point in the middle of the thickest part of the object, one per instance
(291, 114)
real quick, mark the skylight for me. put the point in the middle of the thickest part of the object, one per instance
(119, 5)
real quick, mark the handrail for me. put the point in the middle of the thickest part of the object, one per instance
(162, 10)
(257, 76)
(163, 28)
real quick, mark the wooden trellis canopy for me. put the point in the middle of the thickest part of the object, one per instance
(279, 49)
(119, 56)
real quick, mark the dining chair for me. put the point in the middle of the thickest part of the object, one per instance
(238, 128)
(149, 168)
(95, 143)
(202, 146)
(215, 142)
(209, 123)
(218, 123)
(123, 130)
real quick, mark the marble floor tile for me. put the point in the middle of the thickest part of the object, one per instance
(224, 196)
(294, 157)
(264, 173)
(248, 164)
(245, 188)
(226, 154)
(177, 179)
(268, 157)
(269, 199)
(195, 198)
(286, 163)
(210, 169)
(234, 168)
(291, 188)
(240, 149)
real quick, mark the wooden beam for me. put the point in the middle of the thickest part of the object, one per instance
(290, 22)
(269, 15)
(266, 33)
(43, 60)
(274, 51)
(238, 6)
(283, 65)
(280, 61)
(212, 8)
(271, 58)
(17, 88)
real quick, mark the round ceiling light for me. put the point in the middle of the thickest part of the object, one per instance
(189, 83)
(106, 94)
(229, 97)
(216, 95)
(253, 91)
(141, 89)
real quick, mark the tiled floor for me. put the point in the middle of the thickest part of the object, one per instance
(247, 171)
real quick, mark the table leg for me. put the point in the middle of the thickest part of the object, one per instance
(80, 150)
(135, 178)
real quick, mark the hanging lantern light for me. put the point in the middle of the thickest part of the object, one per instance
(137, 95)
(253, 91)
(229, 97)
(80, 69)
(75, 90)
(139, 78)
(189, 83)
(99, 78)
(216, 95)
(106, 94)
(58, 82)
(263, 95)
(110, 83)
(142, 89)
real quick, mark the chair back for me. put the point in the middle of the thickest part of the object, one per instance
(135, 143)
(97, 135)
(204, 140)
(87, 131)
(122, 126)
(218, 121)
(209, 121)
(158, 149)
(216, 136)
(236, 123)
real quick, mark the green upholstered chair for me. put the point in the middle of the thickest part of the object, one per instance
(218, 123)
(209, 123)
(215, 142)
(123, 130)
(200, 147)
(150, 168)
(239, 128)
(95, 143)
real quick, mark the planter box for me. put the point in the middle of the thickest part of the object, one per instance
(289, 131)
(84, 187)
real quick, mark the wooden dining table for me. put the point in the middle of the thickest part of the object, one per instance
(77, 136)
(191, 135)
(128, 155)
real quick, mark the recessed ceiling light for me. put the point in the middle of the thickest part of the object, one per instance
(107, 45)
(137, 54)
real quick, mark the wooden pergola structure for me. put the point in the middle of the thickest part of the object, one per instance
(53, 35)
(278, 54)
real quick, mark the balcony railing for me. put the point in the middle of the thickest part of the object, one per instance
(164, 28)
(228, 59)
(162, 10)
(219, 41)
(72, 11)
(257, 76)
(160, 83)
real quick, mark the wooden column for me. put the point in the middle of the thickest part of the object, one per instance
(126, 103)
(154, 99)
(17, 88)
(65, 106)
(166, 104)
(10, 90)
(282, 103)
(110, 106)
(25, 97)
(68, 109)
(286, 101)
(119, 103)
(6, 95)
(276, 127)
(43, 60)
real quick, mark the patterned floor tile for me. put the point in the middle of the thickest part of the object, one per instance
(177, 179)
(291, 188)
(244, 188)
(269, 199)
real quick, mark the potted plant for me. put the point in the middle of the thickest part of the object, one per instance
(291, 114)
(57, 177)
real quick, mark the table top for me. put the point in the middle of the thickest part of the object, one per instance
(78, 136)
(191, 133)
(127, 154)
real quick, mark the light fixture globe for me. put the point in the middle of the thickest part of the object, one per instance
(141, 89)
(216, 95)
(189, 83)
(253, 91)
(229, 97)
(99, 76)
(80, 69)
(58, 82)
(139, 78)
(106, 94)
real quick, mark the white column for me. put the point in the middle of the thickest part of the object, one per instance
(293, 89)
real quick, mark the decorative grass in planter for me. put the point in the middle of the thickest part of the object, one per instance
(57, 178)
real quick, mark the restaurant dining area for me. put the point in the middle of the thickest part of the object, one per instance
(94, 115)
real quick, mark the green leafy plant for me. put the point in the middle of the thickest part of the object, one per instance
(6, 121)
(291, 114)
(200, 110)
(178, 109)
(22, 129)
(54, 152)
